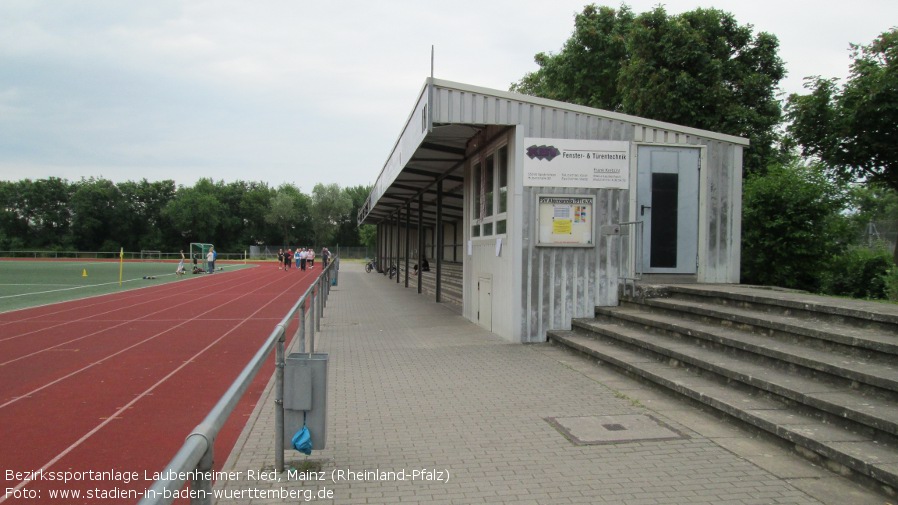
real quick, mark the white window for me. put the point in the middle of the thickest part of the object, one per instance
(489, 185)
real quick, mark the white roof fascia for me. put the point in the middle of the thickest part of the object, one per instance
(651, 123)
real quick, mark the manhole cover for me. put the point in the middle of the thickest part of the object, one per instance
(589, 430)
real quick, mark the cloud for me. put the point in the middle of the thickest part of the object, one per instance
(285, 91)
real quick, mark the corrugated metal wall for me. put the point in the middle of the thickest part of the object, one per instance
(720, 215)
(562, 283)
(557, 284)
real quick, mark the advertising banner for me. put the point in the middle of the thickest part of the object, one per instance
(565, 163)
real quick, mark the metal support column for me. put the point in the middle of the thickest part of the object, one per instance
(420, 238)
(438, 232)
(388, 244)
(398, 241)
(455, 241)
(408, 231)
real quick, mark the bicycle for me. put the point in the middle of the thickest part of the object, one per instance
(393, 270)
(371, 265)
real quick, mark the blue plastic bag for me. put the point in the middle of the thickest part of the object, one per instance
(302, 441)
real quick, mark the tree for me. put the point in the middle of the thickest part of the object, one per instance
(368, 235)
(145, 202)
(853, 130)
(586, 70)
(13, 224)
(792, 227)
(99, 218)
(699, 69)
(254, 205)
(195, 213)
(289, 211)
(49, 211)
(330, 207)
(347, 234)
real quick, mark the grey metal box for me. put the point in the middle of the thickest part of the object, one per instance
(305, 396)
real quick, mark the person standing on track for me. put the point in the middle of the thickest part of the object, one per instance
(280, 258)
(310, 256)
(210, 259)
(288, 258)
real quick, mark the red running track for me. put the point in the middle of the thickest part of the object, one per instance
(116, 383)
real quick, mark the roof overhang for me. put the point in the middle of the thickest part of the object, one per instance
(432, 147)
(437, 161)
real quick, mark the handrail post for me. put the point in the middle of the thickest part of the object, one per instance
(279, 405)
(312, 322)
(302, 328)
(315, 305)
(324, 279)
(320, 307)
(201, 483)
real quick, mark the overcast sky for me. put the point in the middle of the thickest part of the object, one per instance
(293, 90)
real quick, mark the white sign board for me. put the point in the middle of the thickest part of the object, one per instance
(566, 163)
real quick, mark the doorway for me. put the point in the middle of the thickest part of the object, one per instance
(485, 302)
(667, 199)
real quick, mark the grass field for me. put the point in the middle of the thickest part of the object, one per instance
(26, 283)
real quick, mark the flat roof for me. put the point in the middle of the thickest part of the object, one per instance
(432, 145)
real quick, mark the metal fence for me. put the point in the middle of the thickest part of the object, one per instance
(267, 252)
(882, 234)
(194, 459)
(106, 255)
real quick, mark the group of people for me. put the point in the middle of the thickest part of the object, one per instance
(301, 258)
(211, 256)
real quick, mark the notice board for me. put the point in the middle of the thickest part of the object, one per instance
(565, 220)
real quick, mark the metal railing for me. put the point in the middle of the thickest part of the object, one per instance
(194, 460)
(629, 254)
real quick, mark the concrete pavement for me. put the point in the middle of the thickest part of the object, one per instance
(426, 407)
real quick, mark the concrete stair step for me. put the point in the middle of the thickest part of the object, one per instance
(874, 371)
(794, 304)
(872, 412)
(827, 332)
(451, 287)
(873, 459)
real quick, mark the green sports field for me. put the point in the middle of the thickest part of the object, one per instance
(26, 283)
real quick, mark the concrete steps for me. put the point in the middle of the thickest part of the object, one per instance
(819, 374)
(450, 286)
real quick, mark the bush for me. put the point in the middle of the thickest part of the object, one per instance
(860, 273)
(891, 282)
(791, 227)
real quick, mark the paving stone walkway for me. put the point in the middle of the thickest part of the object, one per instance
(427, 407)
